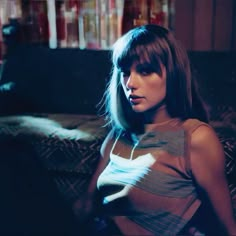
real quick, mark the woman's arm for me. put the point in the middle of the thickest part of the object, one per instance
(86, 204)
(208, 167)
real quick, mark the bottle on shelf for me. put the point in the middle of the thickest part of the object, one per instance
(159, 12)
(140, 13)
(89, 25)
(72, 8)
(83, 23)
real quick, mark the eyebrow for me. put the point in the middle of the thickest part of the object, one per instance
(149, 67)
(145, 65)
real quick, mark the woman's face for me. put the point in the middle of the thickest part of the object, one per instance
(144, 88)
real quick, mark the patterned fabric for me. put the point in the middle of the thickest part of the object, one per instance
(71, 163)
(68, 145)
(229, 144)
(223, 119)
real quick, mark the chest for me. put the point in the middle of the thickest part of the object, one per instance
(156, 143)
(156, 162)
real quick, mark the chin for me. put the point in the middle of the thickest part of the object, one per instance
(139, 109)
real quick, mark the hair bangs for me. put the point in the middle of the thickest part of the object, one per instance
(128, 51)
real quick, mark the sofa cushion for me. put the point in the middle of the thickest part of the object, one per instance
(67, 145)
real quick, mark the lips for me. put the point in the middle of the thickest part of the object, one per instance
(134, 99)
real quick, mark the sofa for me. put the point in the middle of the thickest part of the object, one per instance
(52, 123)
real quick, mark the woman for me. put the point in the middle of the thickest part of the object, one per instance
(162, 167)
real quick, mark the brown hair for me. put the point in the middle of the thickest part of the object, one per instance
(154, 45)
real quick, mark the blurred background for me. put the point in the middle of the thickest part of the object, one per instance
(201, 25)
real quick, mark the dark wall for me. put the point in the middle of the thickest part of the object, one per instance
(204, 25)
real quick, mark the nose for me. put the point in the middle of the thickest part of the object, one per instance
(132, 81)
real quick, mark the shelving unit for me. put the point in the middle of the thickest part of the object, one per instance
(81, 23)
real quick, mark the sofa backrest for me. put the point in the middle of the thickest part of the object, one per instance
(74, 80)
(215, 73)
(55, 80)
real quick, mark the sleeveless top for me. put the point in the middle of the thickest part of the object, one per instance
(147, 186)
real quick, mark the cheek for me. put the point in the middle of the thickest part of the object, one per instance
(157, 91)
(158, 85)
(123, 82)
(123, 86)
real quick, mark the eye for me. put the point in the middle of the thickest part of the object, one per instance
(145, 70)
(125, 73)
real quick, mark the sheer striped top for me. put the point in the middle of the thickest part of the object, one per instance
(147, 187)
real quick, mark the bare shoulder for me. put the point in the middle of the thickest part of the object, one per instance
(107, 143)
(207, 153)
(205, 135)
(205, 140)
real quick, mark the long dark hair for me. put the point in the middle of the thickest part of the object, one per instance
(155, 45)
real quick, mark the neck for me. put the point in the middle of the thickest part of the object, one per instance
(157, 115)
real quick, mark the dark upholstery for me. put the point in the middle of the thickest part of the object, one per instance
(73, 80)
(29, 201)
(61, 86)
(68, 146)
(54, 80)
(216, 73)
